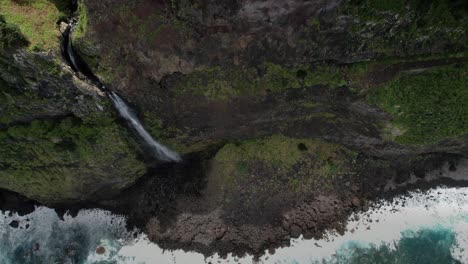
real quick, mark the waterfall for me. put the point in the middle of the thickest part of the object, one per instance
(161, 151)
(71, 55)
(126, 113)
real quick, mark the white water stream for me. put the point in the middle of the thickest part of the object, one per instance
(162, 152)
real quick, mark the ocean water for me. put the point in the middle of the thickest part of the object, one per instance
(428, 227)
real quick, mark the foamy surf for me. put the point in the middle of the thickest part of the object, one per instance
(435, 223)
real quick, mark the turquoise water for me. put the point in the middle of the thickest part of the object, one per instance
(426, 246)
(425, 231)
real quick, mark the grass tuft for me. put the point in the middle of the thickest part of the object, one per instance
(36, 19)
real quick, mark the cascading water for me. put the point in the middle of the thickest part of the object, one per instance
(126, 112)
(69, 51)
(162, 152)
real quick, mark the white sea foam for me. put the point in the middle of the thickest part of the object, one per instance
(446, 207)
(440, 207)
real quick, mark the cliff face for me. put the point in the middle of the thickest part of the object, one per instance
(59, 139)
(288, 113)
(204, 74)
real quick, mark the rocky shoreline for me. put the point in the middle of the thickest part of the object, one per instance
(217, 231)
(213, 232)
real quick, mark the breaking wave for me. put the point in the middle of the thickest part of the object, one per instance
(424, 227)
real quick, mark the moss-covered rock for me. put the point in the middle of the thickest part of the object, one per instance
(68, 159)
(36, 85)
(301, 165)
(223, 84)
(427, 105)
(408, 28)
(59, 139)
(254, 180)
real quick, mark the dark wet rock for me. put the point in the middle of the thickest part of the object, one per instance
(296, 231)
(420, 173)
(355, 189)
(452, 166)
(100, 250)
(355, 202)
(14, 224)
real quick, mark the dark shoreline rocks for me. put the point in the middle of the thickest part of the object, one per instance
(211, 233)
(311, 218)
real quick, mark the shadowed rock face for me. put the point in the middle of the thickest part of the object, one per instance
(182, 36)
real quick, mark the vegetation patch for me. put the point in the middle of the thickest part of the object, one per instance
(66, 159)
(178, 139)
(409, 26)
(83, 21)
(31, 91)
(429, 105)
(282, 162)
(222, 84)
(10, 36)
(36, 19)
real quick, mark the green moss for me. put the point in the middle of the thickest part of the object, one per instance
(153, 124)
(48, 66)
(429, 106)
(19, 101)
(173, 137)
(440, 15)
(83, 21)
(67, 159)
(311, 104)
(278, 150)
(36, 19)
(10, 36)
(314, 22)
(223, 84)
(299, 163)
(387, 5)
(324, 75)
(428, 23)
